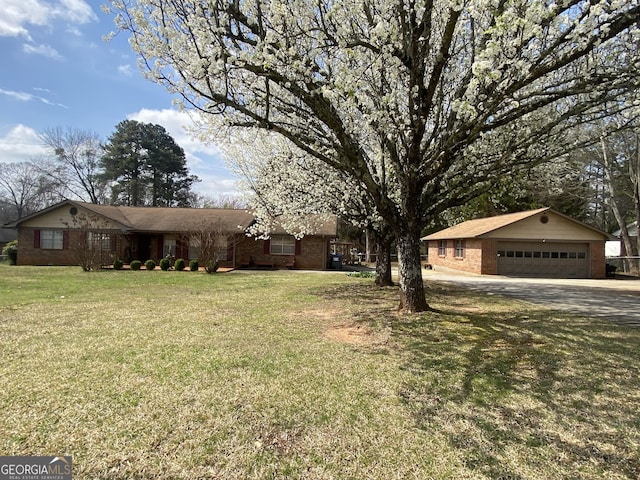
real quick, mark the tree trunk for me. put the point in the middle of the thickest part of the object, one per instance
(383, 263)
(634, 174)
(367, 247)
(630, 265)
(410, 273)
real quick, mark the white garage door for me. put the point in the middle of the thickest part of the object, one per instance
(553, 260)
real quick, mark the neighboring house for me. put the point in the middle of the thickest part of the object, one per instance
(535, 243)
(632, 229)
(141, 233)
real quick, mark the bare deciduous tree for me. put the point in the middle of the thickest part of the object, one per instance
(76, 155)
(24, 189)
(212, 242)
(90, 240)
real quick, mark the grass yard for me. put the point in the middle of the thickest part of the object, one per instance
(183, 375)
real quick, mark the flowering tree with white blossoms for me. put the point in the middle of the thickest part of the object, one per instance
(287, 186)
(459, 91)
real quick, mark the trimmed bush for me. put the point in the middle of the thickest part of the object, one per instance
(212, 266)
(11, 251)
(179, 265)
(149, 264)
(135, 265)
(118, 264)
(193, 265)
(165, 264)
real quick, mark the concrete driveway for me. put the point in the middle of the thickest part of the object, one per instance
(611, 299)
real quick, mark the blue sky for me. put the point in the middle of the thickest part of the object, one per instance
(57, 71)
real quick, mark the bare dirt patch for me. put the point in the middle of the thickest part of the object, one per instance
(351, 334)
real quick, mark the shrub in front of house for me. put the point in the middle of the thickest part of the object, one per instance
(135, 265)
(193, 265)
(212, 266)
(118, 264)
(149, 264)
(165, 264)
(179, 265)
(11, 251)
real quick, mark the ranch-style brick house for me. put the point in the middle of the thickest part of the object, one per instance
(142, 233)
(535, 243)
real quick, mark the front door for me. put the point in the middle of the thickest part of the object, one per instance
(144, 252)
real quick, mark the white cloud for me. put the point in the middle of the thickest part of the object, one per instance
(29, 97)
(12, 29)
(45, 50)
(75, 31)
(203, 160)
(75, 11)
(125, 70)
(20, 144)
(19, 15)
(177, 124)
(21, 96)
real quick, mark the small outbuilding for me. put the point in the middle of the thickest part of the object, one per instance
(535, 243)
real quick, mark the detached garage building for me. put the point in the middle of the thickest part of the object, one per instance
(535, 243)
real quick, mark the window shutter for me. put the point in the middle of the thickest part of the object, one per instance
(298, 247)
(267, 246)
(65, 239)
(36, 239)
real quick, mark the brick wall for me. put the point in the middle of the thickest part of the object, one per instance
(313, 253)
(489, 257)
(472, 260)
(598, 262)
(28, 254)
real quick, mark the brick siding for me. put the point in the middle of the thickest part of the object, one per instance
(314, 252)
(471, 261)
(598, 262)
(29, 255)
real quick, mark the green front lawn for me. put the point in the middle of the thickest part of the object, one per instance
(170, 375)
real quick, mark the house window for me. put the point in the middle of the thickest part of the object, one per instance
(99, 241)
(459, 248)
(169, 247)
(221, 252)
(282, 245)
(194, 248)
(442, 248)
(51, 239)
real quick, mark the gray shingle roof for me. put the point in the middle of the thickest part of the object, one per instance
(177, 220)
(157, 219)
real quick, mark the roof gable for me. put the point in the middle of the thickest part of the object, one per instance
(481, 226)
(60, 216)
(632, 228)
(527, 224)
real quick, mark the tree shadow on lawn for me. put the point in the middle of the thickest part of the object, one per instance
(519, 391)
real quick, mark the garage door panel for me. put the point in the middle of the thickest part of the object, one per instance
(544, 259)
